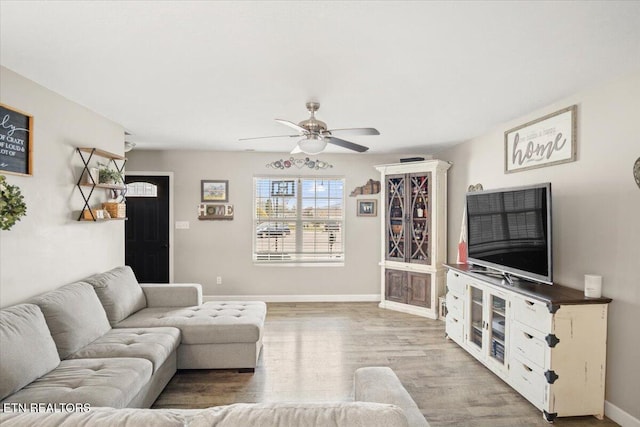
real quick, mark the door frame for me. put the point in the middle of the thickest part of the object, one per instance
(170, 175)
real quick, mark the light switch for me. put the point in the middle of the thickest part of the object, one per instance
(182, 225)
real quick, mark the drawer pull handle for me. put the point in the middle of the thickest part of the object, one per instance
(529, 303)
(527, 368)
(527, 336)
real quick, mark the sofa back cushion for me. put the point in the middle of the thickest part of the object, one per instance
(119, 293)
(27, 350)
(339, 414)
(74, 315)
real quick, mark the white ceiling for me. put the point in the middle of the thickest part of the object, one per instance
(201, 75)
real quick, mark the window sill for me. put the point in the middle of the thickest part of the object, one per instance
(298, 264)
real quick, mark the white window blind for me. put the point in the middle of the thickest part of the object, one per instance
(298, 220)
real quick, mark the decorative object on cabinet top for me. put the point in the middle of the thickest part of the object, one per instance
(636, 171)
(371, 187)
(299, 163)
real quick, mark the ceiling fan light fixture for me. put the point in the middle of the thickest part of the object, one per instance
(312, 145)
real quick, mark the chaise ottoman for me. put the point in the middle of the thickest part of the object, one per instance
(215, 335)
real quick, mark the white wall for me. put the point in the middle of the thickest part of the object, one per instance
(596, 213)
(224, 248)
(48, 247)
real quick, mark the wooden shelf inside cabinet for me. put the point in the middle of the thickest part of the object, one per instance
(87, 187)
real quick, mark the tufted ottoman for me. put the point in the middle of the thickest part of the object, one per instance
(215, 335)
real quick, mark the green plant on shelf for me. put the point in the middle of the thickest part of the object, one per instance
(108, 176)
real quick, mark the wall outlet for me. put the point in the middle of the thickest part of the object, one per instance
(219, 280)
(182, 225)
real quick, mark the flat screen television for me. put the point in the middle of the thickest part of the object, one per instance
(509, 230)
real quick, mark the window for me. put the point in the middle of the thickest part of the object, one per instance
(142, 189)
(298, 220)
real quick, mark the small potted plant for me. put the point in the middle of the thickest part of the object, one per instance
(109, 176)
(12, 206)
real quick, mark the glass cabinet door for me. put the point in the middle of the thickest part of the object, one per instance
(396, 211)
(476, 317)
(418, 204)
(497, 328)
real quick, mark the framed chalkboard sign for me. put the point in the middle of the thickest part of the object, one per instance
(16, 141)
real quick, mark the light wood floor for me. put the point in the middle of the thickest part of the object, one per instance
(312, 349)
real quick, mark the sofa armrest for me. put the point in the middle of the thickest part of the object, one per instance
(381, 385)
(172, 294)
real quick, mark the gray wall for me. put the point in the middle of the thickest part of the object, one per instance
(48, 248)
(596, 212)
(223, 248)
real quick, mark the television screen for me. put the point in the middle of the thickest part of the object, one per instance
(509, 230)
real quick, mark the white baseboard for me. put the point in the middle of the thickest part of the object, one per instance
(295, 298)
(619, 416)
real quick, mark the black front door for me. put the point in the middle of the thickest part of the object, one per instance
(147, 228)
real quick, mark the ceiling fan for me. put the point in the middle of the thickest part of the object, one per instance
(315, 134)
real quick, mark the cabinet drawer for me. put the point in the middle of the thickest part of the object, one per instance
(529, 344)
(455, 282)
(528, 380)
(454, 328)
(454, 305)
(531, 313)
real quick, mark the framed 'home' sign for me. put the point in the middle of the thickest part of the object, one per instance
(546, 141)
(16, 141)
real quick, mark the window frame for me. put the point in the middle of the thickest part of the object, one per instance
(298, 220)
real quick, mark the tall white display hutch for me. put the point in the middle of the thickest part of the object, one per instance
(414, 241)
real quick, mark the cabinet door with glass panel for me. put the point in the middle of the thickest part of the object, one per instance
(487, 313)
(408, 218)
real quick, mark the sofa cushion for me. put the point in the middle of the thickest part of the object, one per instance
(74, 315)
(209, 323)
(27, 350)
(153, 344)
(97, 382)
(103, 417)
(341, 414)
(119, 292)
(381, 384)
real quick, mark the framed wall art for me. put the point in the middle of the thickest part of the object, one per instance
(549, 140)
(368, 207)
(16, 141)
(214, 190)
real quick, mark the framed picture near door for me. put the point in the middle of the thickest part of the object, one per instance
(214, 190)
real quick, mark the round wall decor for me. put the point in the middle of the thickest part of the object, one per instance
(636, 171)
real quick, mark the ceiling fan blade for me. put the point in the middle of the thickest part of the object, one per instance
(353, 131)
(275, 136)
(346, 144)
(300, 129)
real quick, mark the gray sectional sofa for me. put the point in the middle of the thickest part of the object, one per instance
(107, 343)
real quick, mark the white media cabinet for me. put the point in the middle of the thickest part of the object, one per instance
(547, 342)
